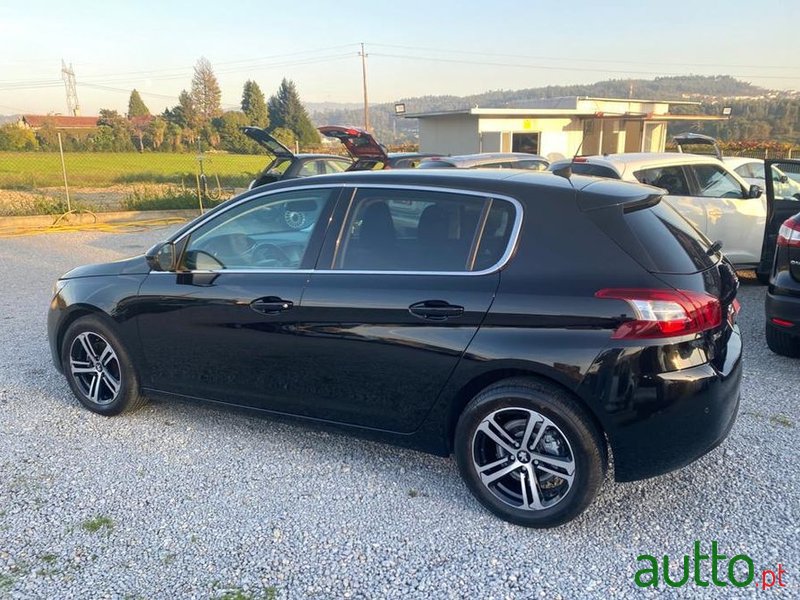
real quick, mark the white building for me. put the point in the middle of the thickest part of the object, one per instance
(554, 127)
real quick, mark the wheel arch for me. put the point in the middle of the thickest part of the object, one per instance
(480, 382)
(76, 312)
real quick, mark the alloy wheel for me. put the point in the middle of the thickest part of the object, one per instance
(95, 368)
(523, 458)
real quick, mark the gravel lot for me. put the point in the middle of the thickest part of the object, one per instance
(187, 501)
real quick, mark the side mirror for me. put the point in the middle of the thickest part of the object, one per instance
(161, 257)
(755, 191)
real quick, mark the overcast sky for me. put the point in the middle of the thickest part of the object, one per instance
(414, 48)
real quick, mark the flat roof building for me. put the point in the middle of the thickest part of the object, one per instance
(554, 127)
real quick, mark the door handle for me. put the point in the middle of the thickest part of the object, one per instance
(271, 305)
(435, 310)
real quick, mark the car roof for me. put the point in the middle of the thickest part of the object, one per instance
(465, 160)
(516, 183)
(628, 162)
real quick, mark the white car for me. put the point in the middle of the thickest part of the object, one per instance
(752, 171)
(717, 201)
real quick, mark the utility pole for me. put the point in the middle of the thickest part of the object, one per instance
(364, 79)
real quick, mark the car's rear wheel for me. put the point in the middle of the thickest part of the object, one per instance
(98, 368)
(781, 342)
(530, 453)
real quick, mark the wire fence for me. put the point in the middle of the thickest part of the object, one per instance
(39, 183)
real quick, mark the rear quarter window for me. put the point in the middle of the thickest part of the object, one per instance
(670, 242)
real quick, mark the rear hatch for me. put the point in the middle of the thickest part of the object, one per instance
(359, 143)
(697, 143)
(666, 245)
(265, 140)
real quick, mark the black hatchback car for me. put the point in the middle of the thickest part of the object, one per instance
(783, 237)
(519, 320)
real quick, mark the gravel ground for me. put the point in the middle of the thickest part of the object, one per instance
(186, 501)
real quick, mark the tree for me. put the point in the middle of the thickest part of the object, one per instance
(254, 105)
(205, 93)
(286, 110)
(229, 126)
(136, 106)
(119, 128)
(156, 130)
(284, 136)
(15, 138)
(47, 135)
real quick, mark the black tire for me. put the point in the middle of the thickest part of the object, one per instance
(572, 433)
(762, 277)
(781, 342)
(109, 389)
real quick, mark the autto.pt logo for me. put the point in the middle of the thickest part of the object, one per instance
(703, 570)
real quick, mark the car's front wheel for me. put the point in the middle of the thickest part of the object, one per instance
(98, 368)
(530, 453)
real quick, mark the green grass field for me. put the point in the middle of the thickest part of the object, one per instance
(34, 170)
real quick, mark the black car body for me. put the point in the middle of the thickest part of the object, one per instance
(367, 153)
(427, 309)
(285, 164)
(783, 237)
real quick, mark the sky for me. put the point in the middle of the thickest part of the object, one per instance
(414, 48)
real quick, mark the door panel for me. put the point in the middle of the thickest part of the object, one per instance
(409, 282)
(201, 337)
(782, 202)
(731, 218)
(227, 326)
(376, 364)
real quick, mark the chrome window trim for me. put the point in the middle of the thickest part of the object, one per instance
(509, 252)
(506, 256)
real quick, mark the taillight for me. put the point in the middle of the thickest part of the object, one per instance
(665, 313)
(789, 233)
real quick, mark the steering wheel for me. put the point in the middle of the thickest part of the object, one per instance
(267, 252)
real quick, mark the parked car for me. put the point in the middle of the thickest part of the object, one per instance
(753, 172)
(783, 295)
(385, 314)
(488, 160)
(285, 164)
(367, 153)
(703, 189)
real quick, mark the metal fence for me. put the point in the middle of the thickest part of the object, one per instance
(53, 182)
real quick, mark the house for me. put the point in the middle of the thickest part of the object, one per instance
(554, 127)
(58, 121)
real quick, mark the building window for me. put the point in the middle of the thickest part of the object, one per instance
(525, 142)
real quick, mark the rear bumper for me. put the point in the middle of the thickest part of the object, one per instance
(785, 308)
(658, 423)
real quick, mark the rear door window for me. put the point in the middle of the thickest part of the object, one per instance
(671, 178)
(418, 231)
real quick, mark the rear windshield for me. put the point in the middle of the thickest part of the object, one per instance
(435, 164)
(594, 170)
(669, 241)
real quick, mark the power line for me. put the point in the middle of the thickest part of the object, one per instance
(553, 68)
(574, 59)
